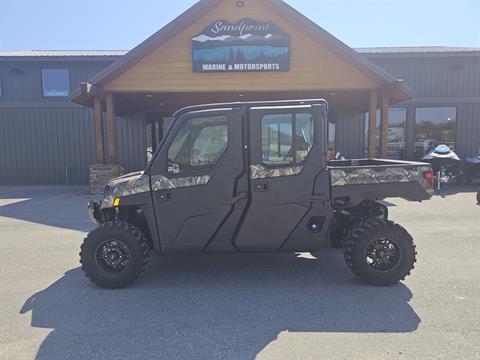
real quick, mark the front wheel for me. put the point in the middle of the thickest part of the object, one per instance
(380, 252)
(114, 255)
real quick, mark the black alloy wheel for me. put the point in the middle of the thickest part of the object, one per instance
(115, 254)
(380, 252)
(112, 255)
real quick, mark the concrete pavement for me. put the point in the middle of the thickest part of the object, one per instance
(235, 307)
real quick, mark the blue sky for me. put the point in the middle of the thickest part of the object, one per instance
(122, 24)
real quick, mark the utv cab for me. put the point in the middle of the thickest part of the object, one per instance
(251, 177)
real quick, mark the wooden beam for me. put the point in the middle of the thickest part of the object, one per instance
(154, 136)
(384, 126)
(112, 147)
(91, 90)
(100, 148)
(372, 124)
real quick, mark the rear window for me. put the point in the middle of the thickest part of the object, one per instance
(286, 138)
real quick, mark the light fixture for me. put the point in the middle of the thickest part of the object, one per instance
(240, 4)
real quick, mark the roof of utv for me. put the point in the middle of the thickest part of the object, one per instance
(250, 104)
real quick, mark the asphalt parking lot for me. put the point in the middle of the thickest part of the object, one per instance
(235, 307)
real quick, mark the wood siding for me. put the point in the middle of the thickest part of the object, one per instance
(313, 65)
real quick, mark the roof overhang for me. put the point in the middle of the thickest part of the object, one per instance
(395, 88)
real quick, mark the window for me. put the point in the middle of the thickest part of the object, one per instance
(331, 135)
(279, 145)
(198, 146)
(397, 120)
(434, 125)
(55, 82)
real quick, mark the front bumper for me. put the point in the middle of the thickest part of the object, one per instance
(94, 212)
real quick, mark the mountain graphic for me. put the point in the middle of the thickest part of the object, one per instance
(205, 41)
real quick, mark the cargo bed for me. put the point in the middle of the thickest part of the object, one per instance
(354, 180)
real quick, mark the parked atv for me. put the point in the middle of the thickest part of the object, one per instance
(472, 169)
(446, 165)
(252, 177)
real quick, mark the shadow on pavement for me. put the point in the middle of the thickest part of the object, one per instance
(453, 190)
(213, 307)
(60, 206)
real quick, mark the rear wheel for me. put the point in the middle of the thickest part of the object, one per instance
(114, 255)
(380, 252)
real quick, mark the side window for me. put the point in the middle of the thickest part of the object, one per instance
(198, 145)
(286, 138)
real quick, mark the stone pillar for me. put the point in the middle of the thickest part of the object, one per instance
(101, 174)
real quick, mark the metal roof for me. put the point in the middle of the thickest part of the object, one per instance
(62, 53)
(363, 50)
(417, 50)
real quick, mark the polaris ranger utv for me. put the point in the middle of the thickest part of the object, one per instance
(252, 177)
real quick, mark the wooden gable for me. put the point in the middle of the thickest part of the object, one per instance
(315, 65)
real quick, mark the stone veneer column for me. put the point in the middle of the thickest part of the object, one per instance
(101, 174)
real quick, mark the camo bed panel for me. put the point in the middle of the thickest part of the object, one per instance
(378, 175)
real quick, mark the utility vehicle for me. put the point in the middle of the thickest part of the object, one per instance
(251, 177)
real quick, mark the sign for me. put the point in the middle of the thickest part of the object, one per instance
(244, 46)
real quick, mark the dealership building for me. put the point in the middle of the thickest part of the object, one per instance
(65, 115)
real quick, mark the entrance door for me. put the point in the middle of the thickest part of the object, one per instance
(287, 165)
(197, 181)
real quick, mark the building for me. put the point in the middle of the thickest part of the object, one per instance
(125, 97)
(446, 102)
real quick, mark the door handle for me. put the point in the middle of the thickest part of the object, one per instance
(235, 199)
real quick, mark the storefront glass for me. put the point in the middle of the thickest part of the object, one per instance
(397, 119)
(434, 125)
